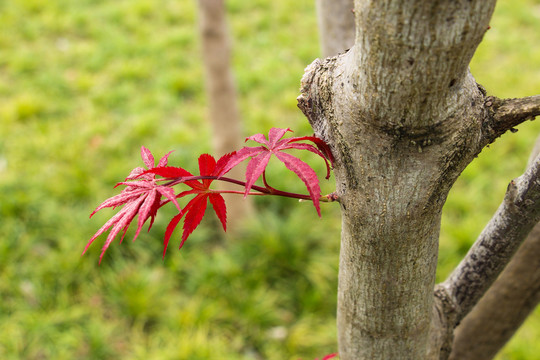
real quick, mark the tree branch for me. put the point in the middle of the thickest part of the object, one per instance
(502, 310)
(507, 113)
(507, 303)
(497, 243)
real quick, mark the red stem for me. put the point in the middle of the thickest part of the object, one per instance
(236, 192)
(261, 189)
(266, 183)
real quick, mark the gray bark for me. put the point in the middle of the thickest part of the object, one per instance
(497, 244)
(502, 310)
(222, 97)
(507, 303)
(403, 117)
(336, 25)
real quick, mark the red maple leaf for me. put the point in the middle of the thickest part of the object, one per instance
(196, 207)
(260, 155)
(141, 197)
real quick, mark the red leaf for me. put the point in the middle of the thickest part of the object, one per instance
(222, 164)
(306, 174)
(170, 228)
(120, 199)
(147, 157)
(218, 203)
(141, 197)
(275, 145)
(104, 228)
(153, 211)
(164, 160)
(169, 172)
(312, 149)
(196, 209)
(275, 134)
(169, 194)
(135, 173)
(127, 214)
(239, 156)
(255, 168)
(132, 185)
(321, 145)
(260, 138)
(175, 220)
(143, 194)
(207, 164)
(145, 210)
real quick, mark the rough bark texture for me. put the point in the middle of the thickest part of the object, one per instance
(224, 113)
(403, 117)
(507, 303)
(336, 25)
(507, 113)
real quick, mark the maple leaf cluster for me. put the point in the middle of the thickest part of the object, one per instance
(145, 193)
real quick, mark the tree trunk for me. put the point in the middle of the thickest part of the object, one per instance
(336, 25)
(404, 117)
(221, 91)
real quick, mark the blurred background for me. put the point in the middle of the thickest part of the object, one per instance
(85, 83)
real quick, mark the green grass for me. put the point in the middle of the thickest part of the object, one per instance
(83, 84)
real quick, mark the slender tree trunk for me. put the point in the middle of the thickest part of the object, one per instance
(404, 117)
(336, 25)
(221, 91)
